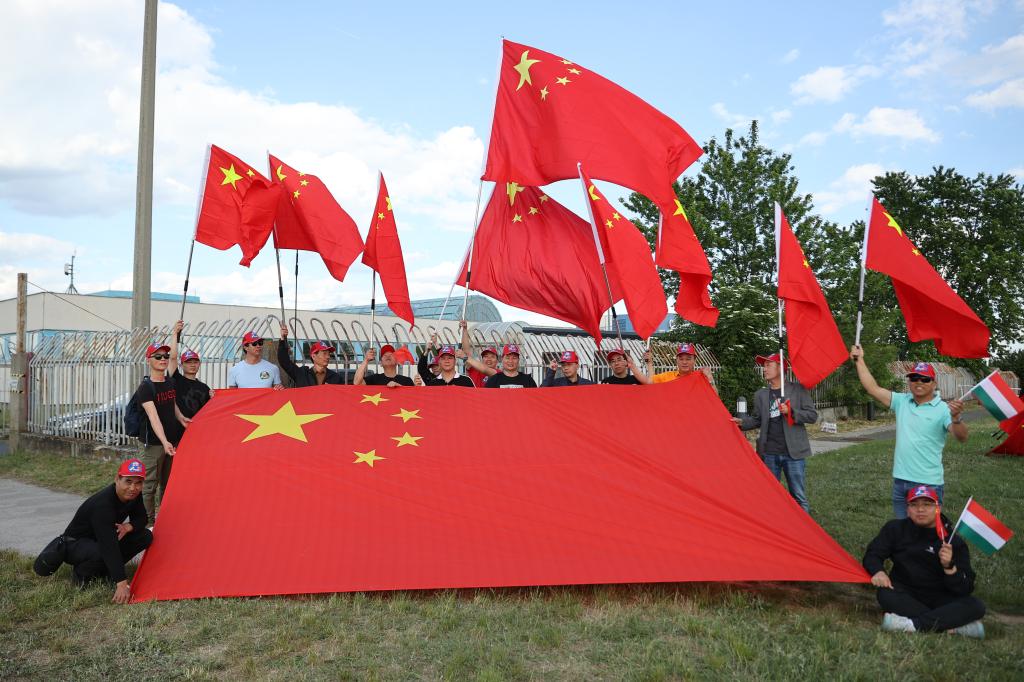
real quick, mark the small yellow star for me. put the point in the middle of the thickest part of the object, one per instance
(680, 211)
(915, 251)
(892, 223)
(387, 200)
(295, 194)
(284, 422)
(517, 218)
(512, 189)
(230, 176)
(281, 176)
(609, 224)
(534, 210)
(616, 216)
(251, 173)
(575, 72)
(375, 399)
(380, 216)
(366, 457)
(302, 175)
(406, 440)
(806, 264)
(544, 93)
(563, 81)
(405, 415)
(523, 68)
(543, 198)
(303, 182)
(566, 62)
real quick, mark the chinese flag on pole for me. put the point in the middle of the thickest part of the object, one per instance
(311, 220)
(679, 249)
(533, 253)
(628, 258)
(238, 206)
(383, 253)
(931, 308)
(816, 347)
(551, 114)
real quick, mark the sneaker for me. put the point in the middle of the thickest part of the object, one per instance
(973, 629)
(895, 623)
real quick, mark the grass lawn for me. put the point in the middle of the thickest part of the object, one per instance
(644, 632)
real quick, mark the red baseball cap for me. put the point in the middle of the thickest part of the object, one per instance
(615, 351)
(433, 361)
(925, 369)
(922, 491)
(250, 337)
(156, 348)
(488, 349)
(763, 359)
(686, 349)
(510, 349)
(387, 348)
(132, 467)
(189, 355)
(568, 356)
(319, 346)
(446, 350)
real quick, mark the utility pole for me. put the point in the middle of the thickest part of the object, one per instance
(141, 274)
(19, 368)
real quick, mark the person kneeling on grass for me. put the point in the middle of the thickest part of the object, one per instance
(932, 580)
(107, 531)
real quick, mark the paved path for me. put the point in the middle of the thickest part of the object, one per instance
(31, 516)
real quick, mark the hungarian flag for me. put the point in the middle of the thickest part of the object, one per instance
(978, 525)
(551, 113)
(357, 488)
(238, 205)
(680, 250)
(627, 255)
(931, 308)
(383, 253)
(533, 253)
(816, 347)
(311, 220)
(998, 398)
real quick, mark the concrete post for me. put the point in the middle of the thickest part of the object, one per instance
(141, 274)
(19, 368)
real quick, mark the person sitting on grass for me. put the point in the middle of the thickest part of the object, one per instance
(932, 579)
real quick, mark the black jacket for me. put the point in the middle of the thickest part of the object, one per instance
(915, 559)
(301, 375)
(95, 519)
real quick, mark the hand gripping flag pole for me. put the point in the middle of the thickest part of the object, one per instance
(600, 253)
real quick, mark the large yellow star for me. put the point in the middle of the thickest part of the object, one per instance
(366, 457)
(680, 211)
(892, 223)
(281, 176)
(406, 415)
(593, 193)
(375, 399)
(406, 439)
(512, 189)
(230, 176)
(523, 68)
(544, 93)
(284, 422)
(387, 200)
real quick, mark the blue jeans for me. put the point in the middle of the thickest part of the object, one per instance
(900, 488)
(794, 470)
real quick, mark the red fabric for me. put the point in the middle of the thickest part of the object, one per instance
(628, 258)
(403, 356)
(383, 253)
(816, 348)
(680, 250)
(238, 206)
(310, 219)
(931, 308)
(533, 253)
(573, 499)
(476, 376)
(1014, 444)
(551, 113)
(940, 528)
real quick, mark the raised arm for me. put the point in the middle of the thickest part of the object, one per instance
(360, 378)
(882, 395)
(467, 344)
(640, 376)
(284, 355)
(172, 363)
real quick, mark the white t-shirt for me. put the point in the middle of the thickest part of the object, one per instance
(261, 375)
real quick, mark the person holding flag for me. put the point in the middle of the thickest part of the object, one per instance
(569, 362)
(929, 589)
(388, 376)
(686, 363)
(922, 421)
(624, 370)
(301, 375)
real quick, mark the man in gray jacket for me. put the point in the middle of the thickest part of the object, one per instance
(782, 441)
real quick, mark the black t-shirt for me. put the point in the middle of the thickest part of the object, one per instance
(192, 394)
(502, 380)
(629, 379)
(775, 443)
(382, 379)
(162, 395)
(95, 520)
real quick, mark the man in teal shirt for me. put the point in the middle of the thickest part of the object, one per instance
(922, 420)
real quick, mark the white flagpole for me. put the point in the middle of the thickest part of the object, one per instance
(778, 251)
(959, 519)
(863, 260)
(195, 231)
(976, 385)
(600, 251)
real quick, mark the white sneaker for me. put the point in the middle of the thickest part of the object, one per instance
(973, 629)
(894, 623)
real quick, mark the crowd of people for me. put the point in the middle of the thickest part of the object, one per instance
(931, 580)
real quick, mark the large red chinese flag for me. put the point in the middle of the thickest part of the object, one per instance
(931, 308)
(679, 249)
(628, 258)
(551, 113)
(816, 347)
(1014, 444)
(238, 206)
(533, 253)
(353, 488)
(311, 220)
(383, 253)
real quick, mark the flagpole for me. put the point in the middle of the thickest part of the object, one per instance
(195, 231)
(277, 256)
(863, 259)
(778, 250)
(976, 385)
(295, 314)
(600, 254)
(373, 315)
(959, 519)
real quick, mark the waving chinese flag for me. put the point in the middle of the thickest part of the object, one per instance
(551, 113)
(533, 253)
(311, 220)
(628, 258)
(383, 253)
(679, 249)
(238, 206)
(816, 347)
(931, 308)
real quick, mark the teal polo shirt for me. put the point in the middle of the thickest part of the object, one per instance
(920, 437)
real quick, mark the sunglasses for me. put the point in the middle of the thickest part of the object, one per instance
(918, 379)
(255, 343)
(160, 356)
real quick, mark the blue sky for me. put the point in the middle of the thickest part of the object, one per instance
(341, 89)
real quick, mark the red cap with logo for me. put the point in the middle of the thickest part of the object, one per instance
(319, 346)
(615, 351)
(686, 349)
(762, 359)
(568, 356)
(387, 348)
(510, 349)
(446, 350)
(250, 337)
(189, 355)
(132, 467)
(433, 361)
(156, 348)
(488, 349)
(922, 491)
(924, 369)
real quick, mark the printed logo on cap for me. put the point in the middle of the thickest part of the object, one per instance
(446, 350)
(568, 356)
(135, 467)
(922, 367)
(511, 349)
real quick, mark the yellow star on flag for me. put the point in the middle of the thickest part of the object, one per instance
(593, 193)
(251, 173)
(512, 189)
(280, 175)
(406, 439)
(380, 216)
(806, 264)
(543, 198)
(680, 211)
(304, 183)
(915, 251)
(405, 415)
(575, 72)
(616, 216)
(523, 68)
(366, 457)
(230, 176)
(534, 210)
(566, 61)
(375, 399)
(284, 422)
(517, 218)
(609, 224)
(892, 223)
(387, 200)
(295, 194)
(563, 81)
(544, 93)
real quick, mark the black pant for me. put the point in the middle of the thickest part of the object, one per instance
(84, 553)
(931, 613)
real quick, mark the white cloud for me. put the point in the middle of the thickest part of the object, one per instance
(994, 63)
(781, 116)
(814, 138)
(854, 185)
(1009, 94)
(790, 56)
(731, 119)
(905, 124)
(929, 32)
(829, 83)
(1017, 172)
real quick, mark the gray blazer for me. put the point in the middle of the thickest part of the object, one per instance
(796, 435)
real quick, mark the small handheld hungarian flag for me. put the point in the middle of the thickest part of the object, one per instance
(997, 397)
(979, 526)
